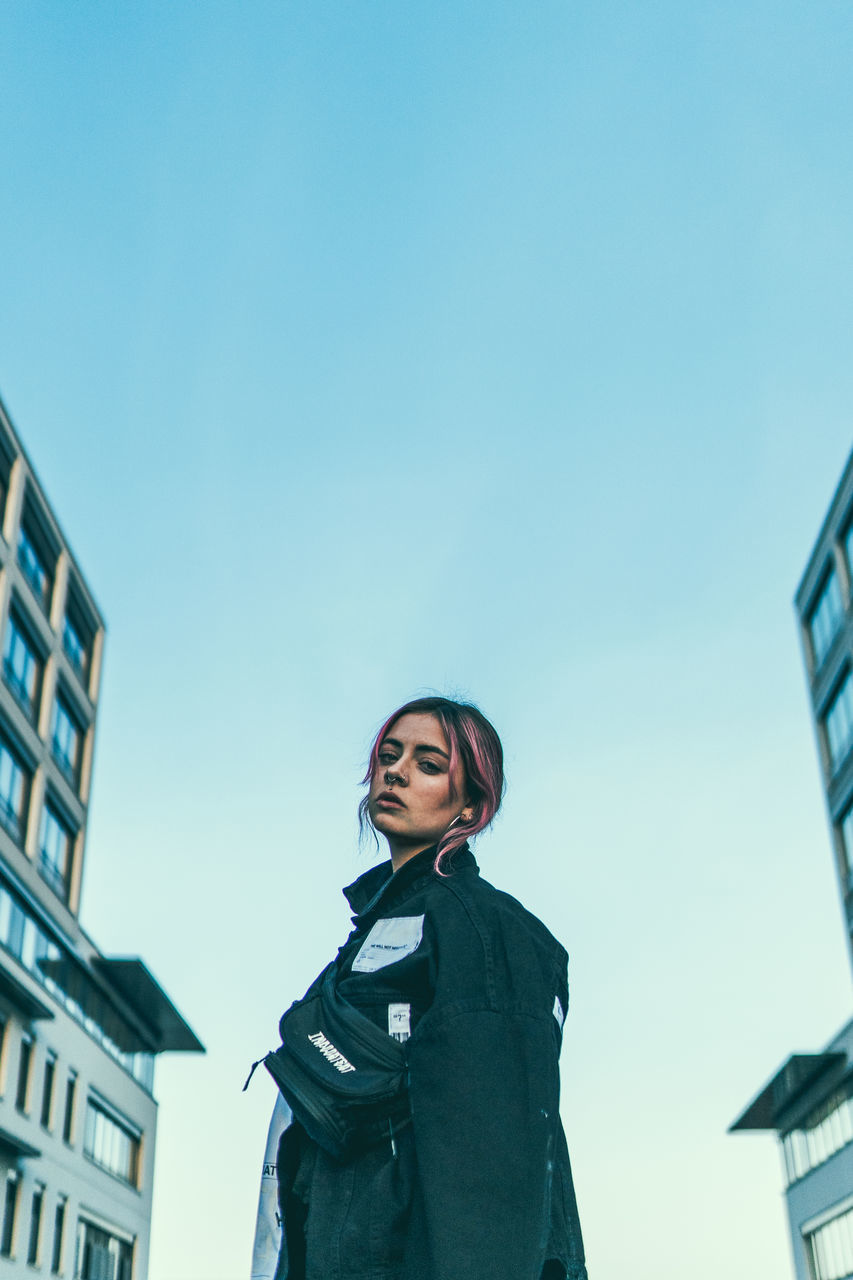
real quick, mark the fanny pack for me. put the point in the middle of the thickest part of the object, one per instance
(344, 1078)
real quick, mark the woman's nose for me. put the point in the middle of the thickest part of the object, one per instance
(394, 774)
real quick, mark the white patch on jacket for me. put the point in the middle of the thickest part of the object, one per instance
(389, 941)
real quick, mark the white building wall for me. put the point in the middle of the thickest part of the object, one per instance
(64, 1168)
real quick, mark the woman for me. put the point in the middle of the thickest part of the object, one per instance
(467, 1176)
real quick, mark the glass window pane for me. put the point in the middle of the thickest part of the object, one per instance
(66, 739)
(55, 846)
(825, 618)
(34, 566)
(839, 723)
(832, 1248)
(110, 1144)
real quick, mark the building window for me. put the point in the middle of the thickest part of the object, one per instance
(47, 1090)
(58, 1233)
(14, 792)
(70, 1093)
(6, 460)
(10, 1205)
(839, 723)
(66, 740)
(35, 563)
(111, 1143)
(77, 635)
(846, 829)
(19, 933)
(102, 1256)
(847, 538)
(25, 1062)
(27, 941)
(12, 921)
(831, 1248)
(22, 666)
(35, 1225)
(825, 618)
(56, 847)
(825, 1130)
(61, 974)
(73, 645)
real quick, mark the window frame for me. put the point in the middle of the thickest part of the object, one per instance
(58, 1235)
(17, 622)
(14, 822)
(25, 1074)
(844, 826)
(123, 1253)
(844, 682)
(64, 704)
(846, 542)
(70, 1107)
(10, 1213)
(48, 1089)
(77, 619)
(100, 1141)
(36, 1215)
(821, 647)
(52, 811)
(8, 453)
(36, 545)
(825, 1130)
(829, 1242)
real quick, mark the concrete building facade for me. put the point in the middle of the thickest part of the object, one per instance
(808, 1103)
(79, 1031)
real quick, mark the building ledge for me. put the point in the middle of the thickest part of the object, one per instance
(15, 1146)
(791, 1080)
(21, 997)
(130, 978)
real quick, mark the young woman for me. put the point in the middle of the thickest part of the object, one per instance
(467, 1176)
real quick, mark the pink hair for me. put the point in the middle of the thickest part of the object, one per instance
(473, 742)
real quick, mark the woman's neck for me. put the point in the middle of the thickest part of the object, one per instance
(401, 854)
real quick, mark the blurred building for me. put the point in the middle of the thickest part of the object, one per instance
(809, 1101)
(79, 1030)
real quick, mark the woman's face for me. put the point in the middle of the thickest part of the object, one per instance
(411, 800)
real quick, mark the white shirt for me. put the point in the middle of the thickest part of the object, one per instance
(268, 1228)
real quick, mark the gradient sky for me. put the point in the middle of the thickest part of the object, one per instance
(494, 348)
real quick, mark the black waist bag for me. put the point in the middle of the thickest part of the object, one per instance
(344, 1079)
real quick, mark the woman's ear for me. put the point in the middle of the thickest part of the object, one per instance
(467, 814)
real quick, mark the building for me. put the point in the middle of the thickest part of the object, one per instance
(809, 1101)
(78, 1030)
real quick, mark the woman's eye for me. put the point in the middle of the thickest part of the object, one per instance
(386, 757)
(429, 766)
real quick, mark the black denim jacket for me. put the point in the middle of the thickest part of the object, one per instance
(478, 1186)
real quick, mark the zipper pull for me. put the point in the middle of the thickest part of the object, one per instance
(393, 1142)
(254, 1067)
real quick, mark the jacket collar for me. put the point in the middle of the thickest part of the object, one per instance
(381, 887)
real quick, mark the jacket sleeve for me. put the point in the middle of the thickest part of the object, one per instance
(484, 1087)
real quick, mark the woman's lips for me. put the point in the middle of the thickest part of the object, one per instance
(391, 801)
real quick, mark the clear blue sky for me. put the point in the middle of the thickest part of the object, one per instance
(503, 348)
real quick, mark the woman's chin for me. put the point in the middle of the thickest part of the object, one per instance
(388, 823)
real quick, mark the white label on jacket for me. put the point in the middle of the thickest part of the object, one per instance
(330, 1053)
(558, 1012)
(400, 1021)
(388, 941)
